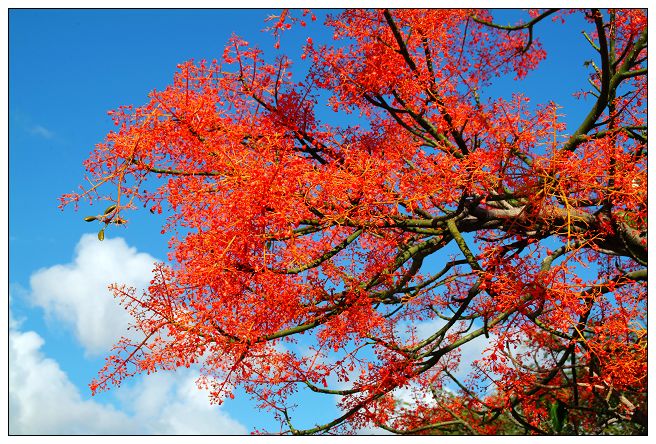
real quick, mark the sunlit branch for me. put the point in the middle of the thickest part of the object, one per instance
(326, 256)
(174, 172)
(436, 353)
(316, 389)
(462, 244)
(424, 428)
(608, 84)
(429, 246)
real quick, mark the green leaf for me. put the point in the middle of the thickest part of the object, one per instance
(558, 414)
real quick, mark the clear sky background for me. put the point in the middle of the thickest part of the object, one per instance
(67, 68)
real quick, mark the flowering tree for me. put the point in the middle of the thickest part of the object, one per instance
(436, 207)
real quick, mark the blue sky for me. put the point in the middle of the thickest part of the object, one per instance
(67, 68)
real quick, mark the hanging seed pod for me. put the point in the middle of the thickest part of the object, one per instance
(558, 415)
(101, 234)
(110, 209)
(90, 218)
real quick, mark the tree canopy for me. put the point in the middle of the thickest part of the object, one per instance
(429, 216)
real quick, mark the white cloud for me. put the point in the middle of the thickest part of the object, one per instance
(171, 403)
(412, 395)
(472, 351)
(42, 400)
(372, 430)
(42, 131)
(469, 352)
(77, 295)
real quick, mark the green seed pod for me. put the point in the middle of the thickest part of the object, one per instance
(90, 218)
(110, 209)
(101, 234)
(558, 414)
